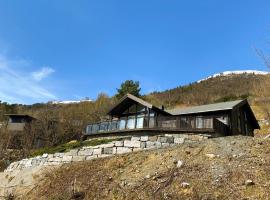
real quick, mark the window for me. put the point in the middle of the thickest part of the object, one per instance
(113, 125)
(199, 122)
(239, 122)
(152, 120)
(183, 122)
(103, 126)
(131, 122)
(208, 123)
(95, 128)
(140, 121)
(122, 124)
(89, 129)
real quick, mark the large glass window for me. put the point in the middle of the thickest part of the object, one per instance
(95, 128)
(183, 122)
(131, 122)
(140, 121)
(113, 125)
(122, 124)
(89, 129)
(208, 123)
(168, 122)
(152, 120)
(199, 122)
(103, 126)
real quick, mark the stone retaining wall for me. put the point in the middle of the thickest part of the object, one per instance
(136, 143)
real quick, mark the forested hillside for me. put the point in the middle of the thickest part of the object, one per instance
(217, 89)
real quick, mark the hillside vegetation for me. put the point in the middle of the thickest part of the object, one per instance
(217, 89)
(60, 123)
(222, 168)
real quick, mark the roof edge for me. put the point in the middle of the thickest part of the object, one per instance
(237, 102)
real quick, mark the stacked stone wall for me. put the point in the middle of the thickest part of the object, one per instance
(135, 143)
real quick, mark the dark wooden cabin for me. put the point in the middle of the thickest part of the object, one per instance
(132, 114)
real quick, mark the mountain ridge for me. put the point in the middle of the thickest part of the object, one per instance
(227, 73)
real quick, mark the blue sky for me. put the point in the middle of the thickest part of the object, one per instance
(68, 49)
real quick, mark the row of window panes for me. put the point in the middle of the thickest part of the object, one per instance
(115, 125)
(198, 122)
(123, 123)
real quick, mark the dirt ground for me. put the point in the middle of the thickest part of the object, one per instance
(222, 168)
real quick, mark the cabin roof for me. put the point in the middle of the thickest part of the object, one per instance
(127, 101)
(229, 105)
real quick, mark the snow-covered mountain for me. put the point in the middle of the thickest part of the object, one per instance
(228, 73)
(71, 101)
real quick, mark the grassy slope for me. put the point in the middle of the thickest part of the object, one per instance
(154, 175)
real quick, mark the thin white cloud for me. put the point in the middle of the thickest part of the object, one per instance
(43, 73)
(19, 86)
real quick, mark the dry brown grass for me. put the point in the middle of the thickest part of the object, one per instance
(125, 177)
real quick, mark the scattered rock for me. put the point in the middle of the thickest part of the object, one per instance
(187, 152)
(185, 185)
(210, 155)
(147, 176)
(179, 163)
(124, 183)
(249, 182)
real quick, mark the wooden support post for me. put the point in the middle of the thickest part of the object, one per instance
(155, 119)
(148, 117)
(136, 106)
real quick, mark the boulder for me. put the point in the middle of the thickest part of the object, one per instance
(72, 152)
(111, 144)
(143, 145)
(90, 157)
(67, 158)
(121, 150)
(179, 163)
(170, 140)
(179, 140)
(158, 144)
(249, 182)
(97, 151)
(119, 143)
(162, 139)
(107, 150)
(184, 184)
(150, 144)
(85, 152)
(135, 138)
(78, 158)
(128, 143)
(152, 138)
(210, 155)
(144, 138)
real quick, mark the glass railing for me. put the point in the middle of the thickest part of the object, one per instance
(143, 122)
(114, 125)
